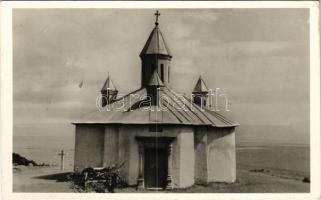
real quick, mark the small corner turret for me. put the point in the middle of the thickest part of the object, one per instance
(200, 92)
(108, 92)
(154, 85)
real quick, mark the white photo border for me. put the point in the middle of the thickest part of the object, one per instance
(6, 122)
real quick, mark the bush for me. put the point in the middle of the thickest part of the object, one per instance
(20, 160)
(306, 180)
(98, 180)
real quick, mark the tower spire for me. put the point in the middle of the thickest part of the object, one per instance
(157, 14)
(155, 56)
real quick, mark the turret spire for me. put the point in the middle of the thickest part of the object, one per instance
(108, 91)
(108, 85)
(155, 80)
(200, 86)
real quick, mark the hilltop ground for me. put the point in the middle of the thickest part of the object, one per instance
(50, 179)
(259, 169)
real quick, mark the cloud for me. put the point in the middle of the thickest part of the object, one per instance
(252, 48)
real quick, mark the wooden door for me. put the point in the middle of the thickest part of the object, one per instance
(155, 168)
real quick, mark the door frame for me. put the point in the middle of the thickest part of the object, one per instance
(151, 142)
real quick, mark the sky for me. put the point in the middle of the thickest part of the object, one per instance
(259, 57)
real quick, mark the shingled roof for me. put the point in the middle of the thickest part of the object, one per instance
(134, 110)
(156, 44)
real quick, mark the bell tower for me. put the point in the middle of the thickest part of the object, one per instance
(155, 56)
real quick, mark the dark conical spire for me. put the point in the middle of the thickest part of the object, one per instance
(108, 85)
(200, 86)
(155, 43)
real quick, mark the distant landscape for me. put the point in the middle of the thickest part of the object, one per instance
(261, 167)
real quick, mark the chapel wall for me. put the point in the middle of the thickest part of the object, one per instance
(89, 146)
(200, 146)
(185, 141)
(111, 146)
(221, 155)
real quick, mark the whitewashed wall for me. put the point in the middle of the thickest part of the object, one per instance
(89, 146)
(221, 155)
(208, 155)
(215, 155)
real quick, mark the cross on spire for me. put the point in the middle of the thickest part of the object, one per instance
(157, 14)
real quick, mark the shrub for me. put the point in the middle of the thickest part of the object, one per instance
(20, 160)
(98, 180)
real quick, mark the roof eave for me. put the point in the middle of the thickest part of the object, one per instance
(148, 123)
